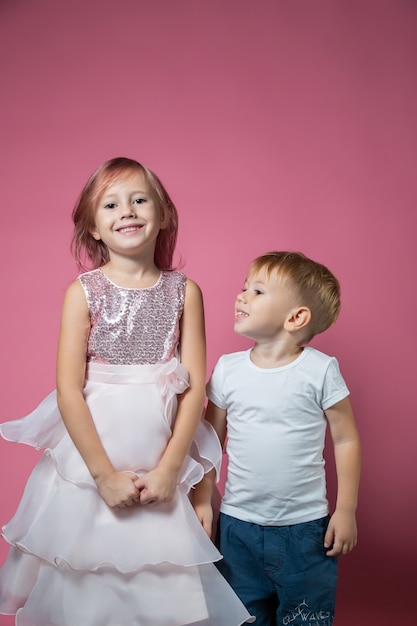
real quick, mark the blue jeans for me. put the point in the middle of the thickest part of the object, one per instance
(281, 573)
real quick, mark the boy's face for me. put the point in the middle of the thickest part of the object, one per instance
(263, 306)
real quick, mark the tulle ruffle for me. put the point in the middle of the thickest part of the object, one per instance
(105, 567)
(119, 388)
(195, 596)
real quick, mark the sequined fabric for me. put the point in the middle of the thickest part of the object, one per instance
(133, 326)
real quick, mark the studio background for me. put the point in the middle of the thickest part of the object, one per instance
(274, 124)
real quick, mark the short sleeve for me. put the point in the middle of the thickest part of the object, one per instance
(215, 386)
(334, 387)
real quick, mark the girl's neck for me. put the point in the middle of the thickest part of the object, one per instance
(130, 273)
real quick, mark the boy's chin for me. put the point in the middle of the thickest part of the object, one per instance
(242, 333)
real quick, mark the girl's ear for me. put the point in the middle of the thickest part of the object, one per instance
(298, 318)
(94, 233)
(164, 219)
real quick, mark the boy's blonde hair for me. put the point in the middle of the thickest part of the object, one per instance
(311, 283)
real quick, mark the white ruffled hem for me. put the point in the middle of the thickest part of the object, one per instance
(105, 567)
(168, 596)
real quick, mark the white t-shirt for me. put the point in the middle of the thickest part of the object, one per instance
(275, 435)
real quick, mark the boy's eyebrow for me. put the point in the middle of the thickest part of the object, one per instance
(256, 281)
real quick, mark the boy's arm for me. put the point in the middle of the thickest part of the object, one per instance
(201, 499)
(341, 535)
(203, 492)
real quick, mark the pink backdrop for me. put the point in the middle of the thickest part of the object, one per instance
(273, 124)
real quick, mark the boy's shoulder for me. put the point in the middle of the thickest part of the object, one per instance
(233, 358)
(317, 355)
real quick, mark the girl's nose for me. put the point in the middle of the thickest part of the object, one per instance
(127, 210)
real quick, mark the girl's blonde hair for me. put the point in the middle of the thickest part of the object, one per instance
(86, 248)
(311, 283)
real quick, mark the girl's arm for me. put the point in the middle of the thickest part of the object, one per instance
(203, 492)
(159, 484)
(341, 535)
(116, 488)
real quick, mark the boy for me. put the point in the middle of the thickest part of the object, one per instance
(273, 402)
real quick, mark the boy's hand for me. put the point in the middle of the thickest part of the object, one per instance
(156, 486)
(118, 489)
(341, 535)
(204, 513)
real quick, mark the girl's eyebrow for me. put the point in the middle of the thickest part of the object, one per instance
(115, 193)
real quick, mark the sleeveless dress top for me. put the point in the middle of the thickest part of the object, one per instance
(133, 326)
(73, 561)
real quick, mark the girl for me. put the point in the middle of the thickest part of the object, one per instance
(105, 534)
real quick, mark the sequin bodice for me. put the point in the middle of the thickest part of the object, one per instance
(133, 326)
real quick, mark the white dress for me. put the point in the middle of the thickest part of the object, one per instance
(73, 561)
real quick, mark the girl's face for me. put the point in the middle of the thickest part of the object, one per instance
(127, 217)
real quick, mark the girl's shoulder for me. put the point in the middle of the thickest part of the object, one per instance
(193, 291)
(173, 280)
(95, 281)
(90, 275)
(174, 276)
(75, 297)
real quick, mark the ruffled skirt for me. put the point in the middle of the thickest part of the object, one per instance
(73, 561)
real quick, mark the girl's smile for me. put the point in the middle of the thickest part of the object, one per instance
(129, 230)
(127, 217)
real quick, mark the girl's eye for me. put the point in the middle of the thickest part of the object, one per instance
(109, 205)
(138, 200)
(258, 293)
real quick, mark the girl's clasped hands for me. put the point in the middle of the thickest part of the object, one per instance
(125, 488)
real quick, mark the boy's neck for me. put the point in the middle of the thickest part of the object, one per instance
(269, 356)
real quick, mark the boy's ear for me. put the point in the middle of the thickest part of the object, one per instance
(298, 318)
